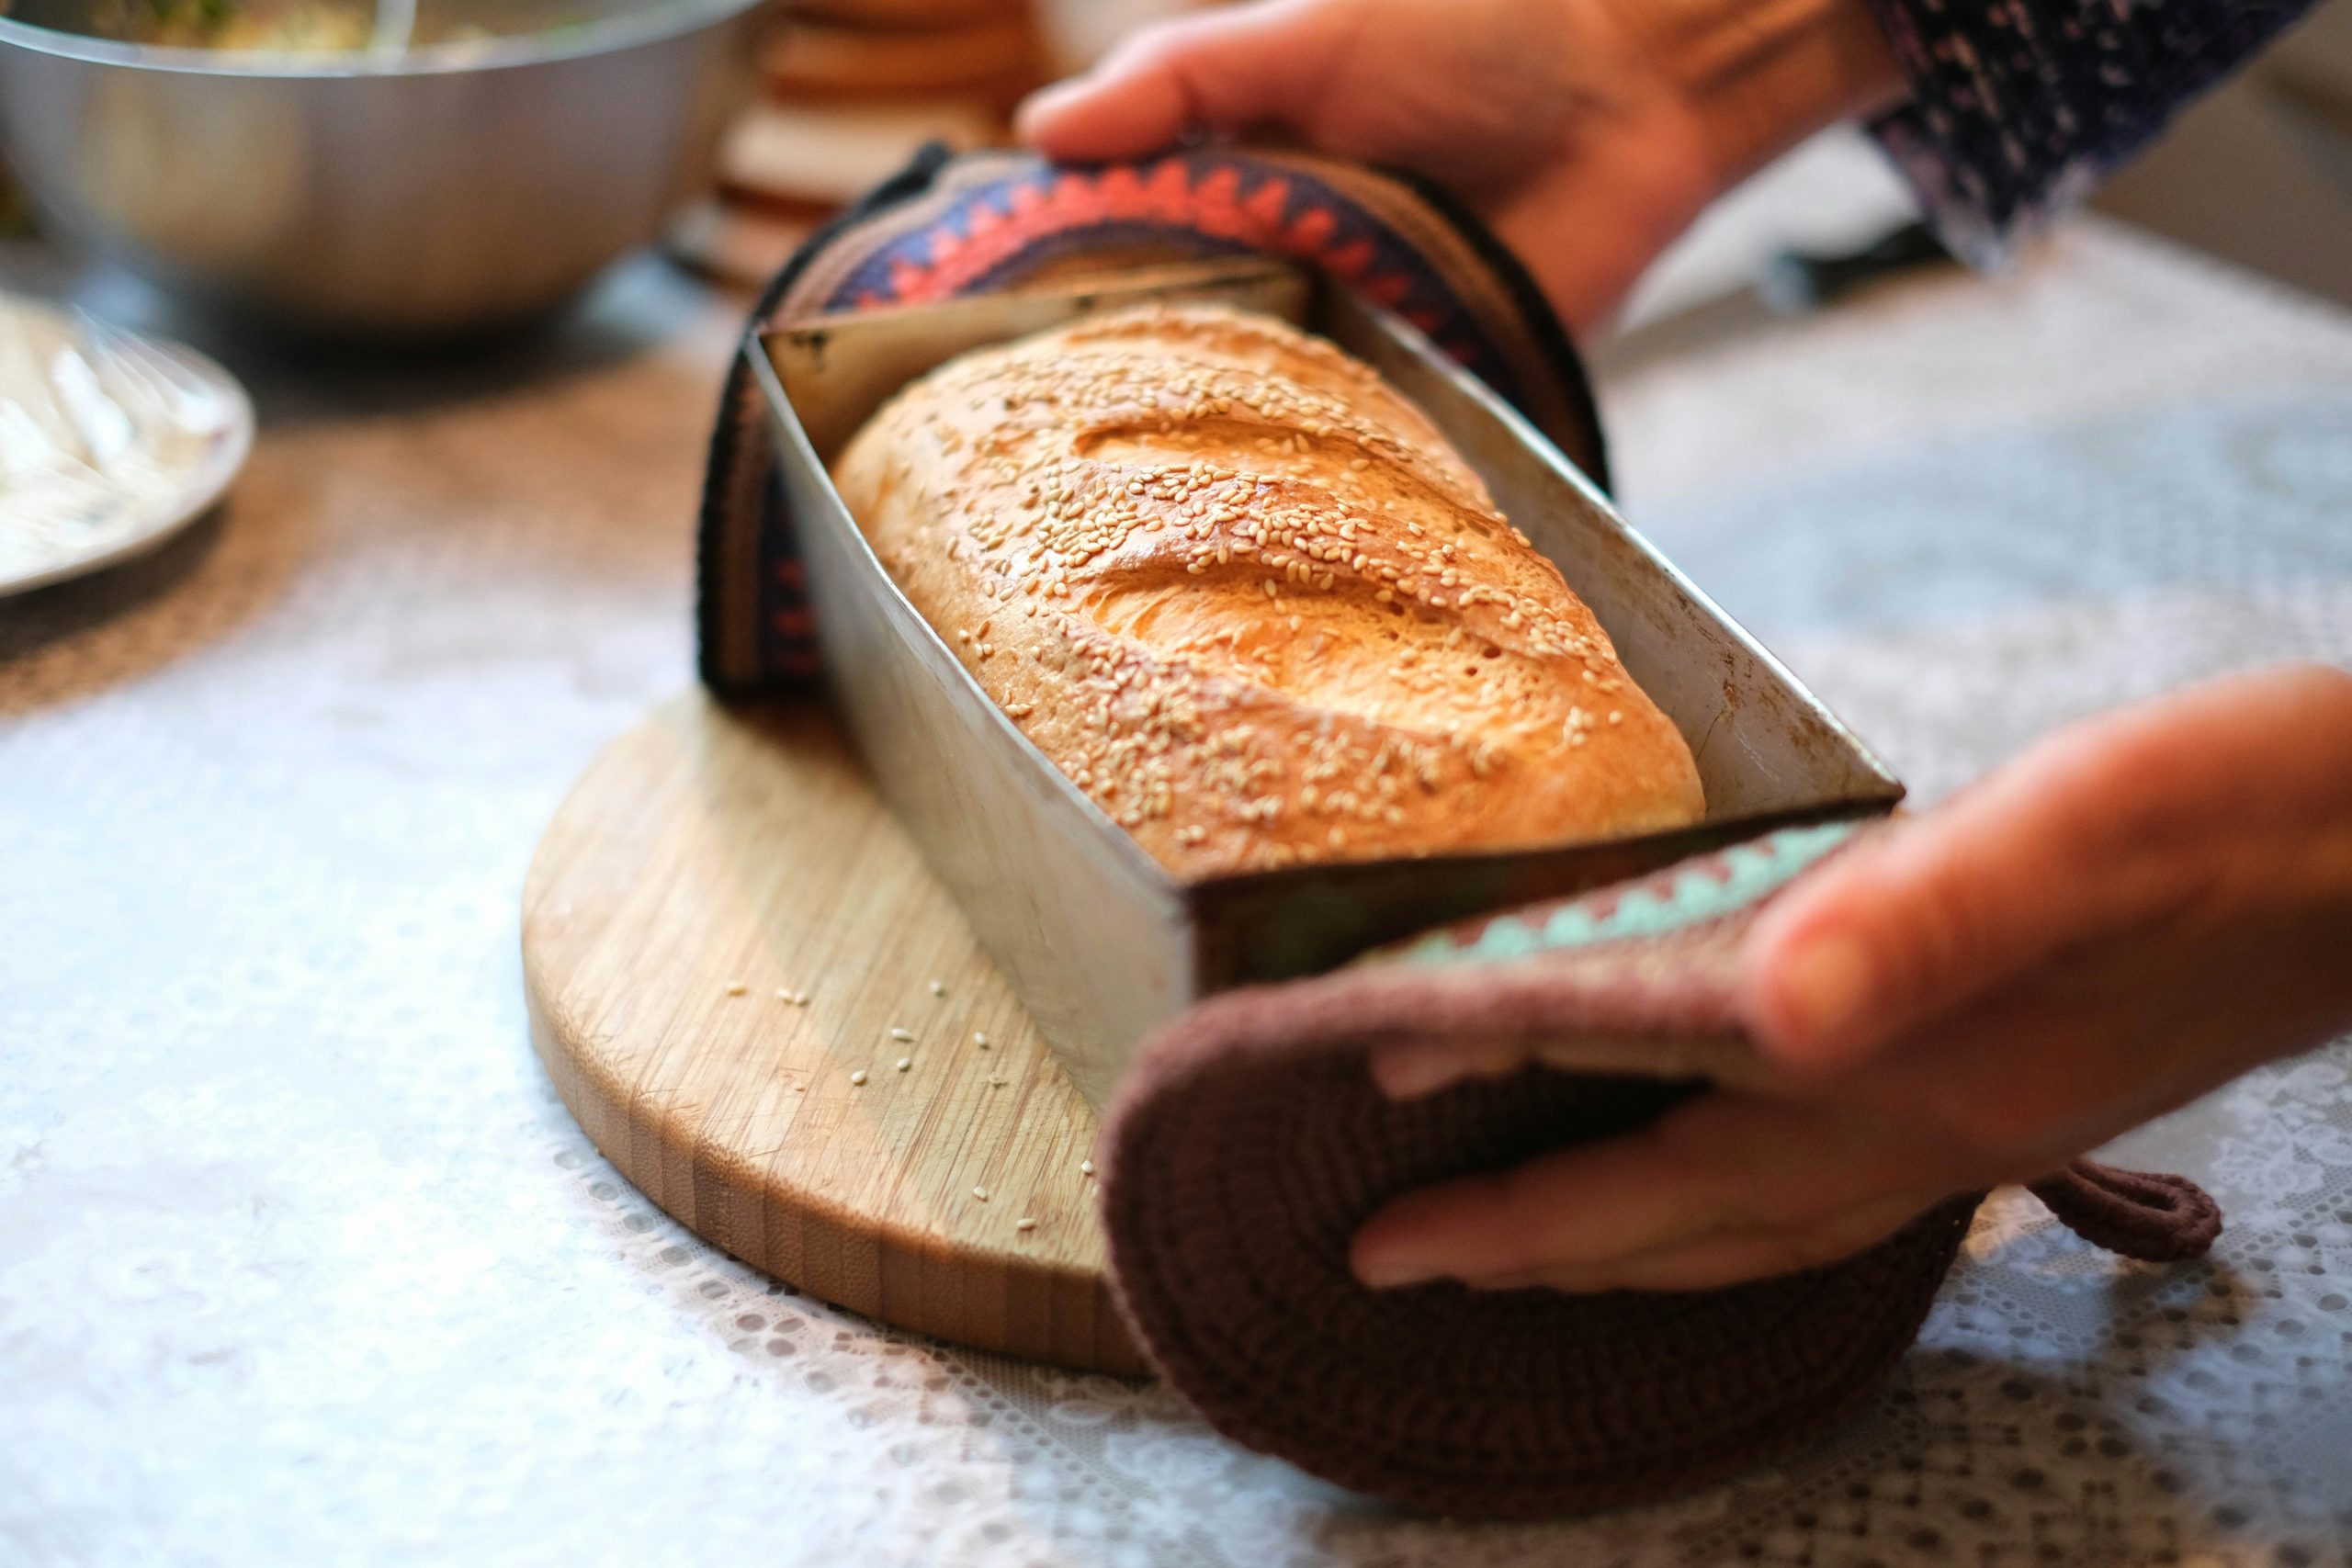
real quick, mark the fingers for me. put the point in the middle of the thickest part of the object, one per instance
(2030, 1075)
(1759, 1183)
(1735, 1257)
(1255, 66)
(1409, 1072)
(1923, 918)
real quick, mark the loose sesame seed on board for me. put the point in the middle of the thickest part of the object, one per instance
(877, 1164)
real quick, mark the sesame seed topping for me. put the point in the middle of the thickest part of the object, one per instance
(1269, 467)
(858, 1077)
(902, 1034)
(736, 988)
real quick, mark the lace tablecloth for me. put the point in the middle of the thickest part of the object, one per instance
(301, 1262)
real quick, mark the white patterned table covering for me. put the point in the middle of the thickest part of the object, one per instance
(301, 1260)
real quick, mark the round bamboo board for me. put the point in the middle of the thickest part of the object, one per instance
(712, 865)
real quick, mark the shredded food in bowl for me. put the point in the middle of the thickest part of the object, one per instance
(316, 27)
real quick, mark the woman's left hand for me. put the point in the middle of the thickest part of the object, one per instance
(2130, 914)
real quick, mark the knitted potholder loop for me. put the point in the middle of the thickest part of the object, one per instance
(2134, 1213)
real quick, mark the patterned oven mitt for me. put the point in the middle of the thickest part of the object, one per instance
(1248, 1144)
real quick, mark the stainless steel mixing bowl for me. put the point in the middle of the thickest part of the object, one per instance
(445, 189)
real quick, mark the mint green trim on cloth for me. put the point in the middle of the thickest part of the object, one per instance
(1691, 894)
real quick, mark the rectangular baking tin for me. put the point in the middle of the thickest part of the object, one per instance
(1101, 945)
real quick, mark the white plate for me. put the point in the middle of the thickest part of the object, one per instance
(109, 442)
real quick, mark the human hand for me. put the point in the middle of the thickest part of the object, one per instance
(2129, 914)
(1588, 133)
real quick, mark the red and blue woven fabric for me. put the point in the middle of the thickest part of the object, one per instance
(948, 227)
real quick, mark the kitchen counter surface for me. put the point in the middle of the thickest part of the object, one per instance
(301, 1262)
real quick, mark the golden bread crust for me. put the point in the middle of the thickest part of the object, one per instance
(1244, 593)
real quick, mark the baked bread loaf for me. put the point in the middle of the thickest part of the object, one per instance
(1249, 598)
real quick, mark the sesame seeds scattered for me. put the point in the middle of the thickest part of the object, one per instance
(902, 1034)
(981, 1193)
(1086, 1167)
(939, 988)
(858, 1077)
(793, 999)
(736, 988)
(905, 1062)
(1025, 1224)
(981, 1039)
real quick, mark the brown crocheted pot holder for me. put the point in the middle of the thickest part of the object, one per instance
(1249, 1144)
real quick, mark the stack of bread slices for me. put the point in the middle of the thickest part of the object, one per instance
(850, 89)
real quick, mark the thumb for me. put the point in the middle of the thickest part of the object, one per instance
(2066, 844)
(2107, 827)
(1259, 65)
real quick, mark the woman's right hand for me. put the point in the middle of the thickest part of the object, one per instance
(1588, 133)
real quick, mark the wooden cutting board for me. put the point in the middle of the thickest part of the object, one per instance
(713, 860)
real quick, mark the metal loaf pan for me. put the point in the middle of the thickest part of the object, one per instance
(1101, 945)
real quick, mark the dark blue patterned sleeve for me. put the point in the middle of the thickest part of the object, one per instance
(2021, 105)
